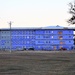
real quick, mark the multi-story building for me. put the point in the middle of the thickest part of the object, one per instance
(43, 38)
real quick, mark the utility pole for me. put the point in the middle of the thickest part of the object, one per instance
(10, 23)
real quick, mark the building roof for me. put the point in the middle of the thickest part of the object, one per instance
(53, 27)
(47, 27)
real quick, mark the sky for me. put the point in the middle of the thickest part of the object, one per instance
(34, 13)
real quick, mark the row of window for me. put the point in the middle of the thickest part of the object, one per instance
(51, 42)
(28, 37)
(37, 31)
(32, 42)
(48, 36)
(23, 42)
(38, 47)
(22, 37)
(33, 37)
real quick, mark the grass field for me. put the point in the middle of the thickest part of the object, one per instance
(37, 63)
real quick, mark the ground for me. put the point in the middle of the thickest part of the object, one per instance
(37, 63)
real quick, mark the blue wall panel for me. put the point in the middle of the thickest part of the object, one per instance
(39, 39)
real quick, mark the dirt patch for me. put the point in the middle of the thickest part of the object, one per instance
(37, 63)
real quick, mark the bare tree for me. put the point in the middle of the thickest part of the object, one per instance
(72, 11)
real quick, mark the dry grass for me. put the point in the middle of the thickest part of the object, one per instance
(37, 63)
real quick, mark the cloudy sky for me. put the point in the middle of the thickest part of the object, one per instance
(34, 13)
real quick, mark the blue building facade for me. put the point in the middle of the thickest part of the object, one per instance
(45, 38)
